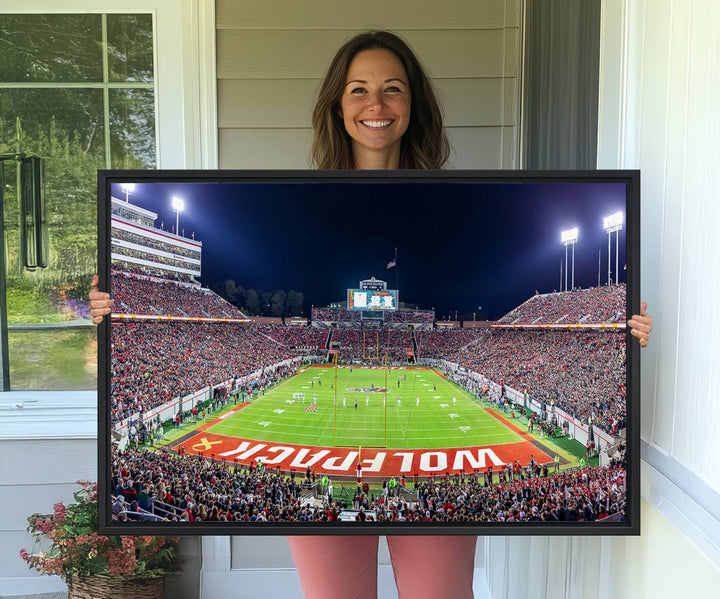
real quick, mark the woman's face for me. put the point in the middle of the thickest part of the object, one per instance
(375, 104)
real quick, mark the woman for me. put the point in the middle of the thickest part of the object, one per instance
(377, 110)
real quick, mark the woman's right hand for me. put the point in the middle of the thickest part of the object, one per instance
(100, 302)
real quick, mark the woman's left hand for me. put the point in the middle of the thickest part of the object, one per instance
(641, 325)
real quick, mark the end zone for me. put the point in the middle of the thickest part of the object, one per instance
(343, 461)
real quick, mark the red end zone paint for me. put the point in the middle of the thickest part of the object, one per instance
(343, 461)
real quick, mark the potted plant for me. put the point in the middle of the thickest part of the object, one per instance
(95, 566)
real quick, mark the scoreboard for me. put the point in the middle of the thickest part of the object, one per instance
(364, 299)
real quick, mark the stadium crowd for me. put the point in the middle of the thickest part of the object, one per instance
(196, 489)
(154, 362)
(373, 344)
(156, 259)
(127, 268)
(334, 315)
(147, 242)
(135, 295)
(579, 370)
(410, 316)
(440, 343)
(588, 306)
(300, 337)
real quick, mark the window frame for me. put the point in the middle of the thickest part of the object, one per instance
(185, 105)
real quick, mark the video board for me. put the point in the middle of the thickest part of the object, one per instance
(362, 299)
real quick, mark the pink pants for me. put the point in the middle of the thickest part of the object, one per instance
(345, 567)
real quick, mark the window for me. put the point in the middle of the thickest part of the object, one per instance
(77, 90)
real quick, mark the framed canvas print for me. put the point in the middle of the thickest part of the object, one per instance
(388, 352)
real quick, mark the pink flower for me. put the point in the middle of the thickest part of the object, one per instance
(43, 526)
(128, 543)
(121, 562)
(59, 512)
(24, 555)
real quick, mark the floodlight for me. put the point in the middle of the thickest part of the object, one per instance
(128, 188)
(178, 206)
(569, 236)
(613, 224)
(613, 221)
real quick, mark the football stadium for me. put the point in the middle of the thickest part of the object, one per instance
(367, 409)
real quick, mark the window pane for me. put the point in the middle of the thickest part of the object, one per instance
(130, 47)
(52, 345)
(132, 128)
(54, 359)
(50, 48)
(65, 127)
(74, 116)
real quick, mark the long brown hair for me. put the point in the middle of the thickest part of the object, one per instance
(424, 144)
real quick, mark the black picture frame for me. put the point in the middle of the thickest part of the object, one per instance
(629, 178)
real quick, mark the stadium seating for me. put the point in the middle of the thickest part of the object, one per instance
(195, 489)
(588, 306)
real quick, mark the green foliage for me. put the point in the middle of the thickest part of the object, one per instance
(66, 127)
(70, 194)
(77, 550)
(277, 303)
(252, 302)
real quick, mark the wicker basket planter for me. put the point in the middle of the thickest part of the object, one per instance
(112, 587)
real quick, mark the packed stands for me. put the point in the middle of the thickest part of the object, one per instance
(410, 316)
(135, 295)
(587, 306)
(194, 489)
(334, 315)
(154, 362)
(300, 338)
(579, 370)
(440, 343)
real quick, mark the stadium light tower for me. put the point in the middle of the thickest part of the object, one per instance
(178, 206)
(127, 188)
(569, 237)
(613, 224)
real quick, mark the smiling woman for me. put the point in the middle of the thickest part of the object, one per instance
(362, 118)
(375, 108)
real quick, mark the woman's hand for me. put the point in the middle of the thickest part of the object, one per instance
(641, 325)
(100, 302)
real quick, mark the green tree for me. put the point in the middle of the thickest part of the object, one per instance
(228, 290)
(297, 306)
(252, 303)
(265, 297)
(294, 303)
(278, 303)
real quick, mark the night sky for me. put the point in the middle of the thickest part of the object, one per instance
(461, 246)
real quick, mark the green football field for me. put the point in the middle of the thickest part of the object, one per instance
(437, 422)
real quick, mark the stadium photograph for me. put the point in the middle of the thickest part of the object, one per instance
(290, 352)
